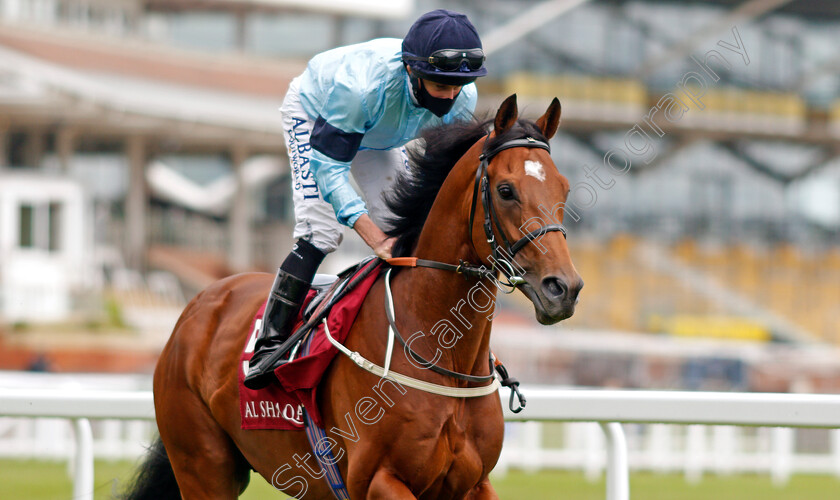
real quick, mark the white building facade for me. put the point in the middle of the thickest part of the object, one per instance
(46, 246)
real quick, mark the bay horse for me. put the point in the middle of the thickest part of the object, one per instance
(469, 190)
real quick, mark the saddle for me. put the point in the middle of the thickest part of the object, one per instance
(336, 298)
(329, 289)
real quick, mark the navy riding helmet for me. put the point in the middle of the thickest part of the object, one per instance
(443, 46)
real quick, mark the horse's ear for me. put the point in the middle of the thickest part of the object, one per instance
(506, 116)
(549, 122)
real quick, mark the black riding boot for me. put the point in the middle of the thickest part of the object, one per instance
(281, 310)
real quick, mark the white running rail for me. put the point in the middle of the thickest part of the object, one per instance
(609, 408)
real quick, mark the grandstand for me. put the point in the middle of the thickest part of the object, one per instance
(776, 292)
(724, 221)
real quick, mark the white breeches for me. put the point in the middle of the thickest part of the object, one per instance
(372, 171)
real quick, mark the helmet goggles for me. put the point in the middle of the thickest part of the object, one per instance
(453, 59)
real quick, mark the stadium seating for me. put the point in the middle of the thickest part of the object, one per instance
(625, 292)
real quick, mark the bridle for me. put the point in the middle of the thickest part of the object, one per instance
(501, 255)
(501, 261)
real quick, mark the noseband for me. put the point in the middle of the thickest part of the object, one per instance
(503, 255)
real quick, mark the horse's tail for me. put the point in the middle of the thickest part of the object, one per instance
(155, 479)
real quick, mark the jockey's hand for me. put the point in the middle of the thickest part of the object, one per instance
(374, 237)
(383, 250)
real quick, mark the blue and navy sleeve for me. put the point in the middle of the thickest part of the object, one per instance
(336, 136)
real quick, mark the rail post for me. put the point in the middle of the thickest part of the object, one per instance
(83, 460)
(618, 475)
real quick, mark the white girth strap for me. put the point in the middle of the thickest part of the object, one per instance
(442, 390)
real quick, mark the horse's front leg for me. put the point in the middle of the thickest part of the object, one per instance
(483, 491)
(386, 486)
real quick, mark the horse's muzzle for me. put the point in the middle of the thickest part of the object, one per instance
(555, 298)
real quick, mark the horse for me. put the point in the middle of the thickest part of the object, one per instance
(472, 186)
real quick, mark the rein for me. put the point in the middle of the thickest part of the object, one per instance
(393, 332)
(380, 371)
(443, 390)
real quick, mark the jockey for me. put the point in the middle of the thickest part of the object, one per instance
(352, 111)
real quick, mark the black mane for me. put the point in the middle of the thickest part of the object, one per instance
(414, 192)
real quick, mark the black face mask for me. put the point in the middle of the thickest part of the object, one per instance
(426, 100)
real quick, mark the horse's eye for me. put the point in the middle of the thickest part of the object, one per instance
(506, 192)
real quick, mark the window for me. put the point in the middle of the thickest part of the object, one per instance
(54, 237)
(40, 226)
(27, 221)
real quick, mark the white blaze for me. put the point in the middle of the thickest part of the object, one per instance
(534, 169)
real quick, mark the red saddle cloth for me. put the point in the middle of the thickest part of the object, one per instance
(280, 405)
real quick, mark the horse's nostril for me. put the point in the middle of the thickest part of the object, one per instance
(553, 287)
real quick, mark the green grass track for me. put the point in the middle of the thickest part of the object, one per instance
(28, 480)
